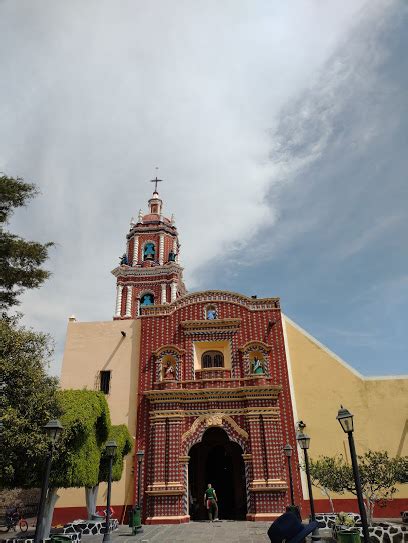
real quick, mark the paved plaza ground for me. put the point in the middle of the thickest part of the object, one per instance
(195, 532)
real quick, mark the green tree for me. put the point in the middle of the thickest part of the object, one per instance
(27, 402)
(86, 421)
(121, 435)
(20, 260)
(328, 475)
(379, 474)
(402, 469)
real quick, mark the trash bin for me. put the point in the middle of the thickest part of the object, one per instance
(348, 537)
(135, 521)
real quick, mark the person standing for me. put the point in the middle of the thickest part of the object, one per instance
(210, 501)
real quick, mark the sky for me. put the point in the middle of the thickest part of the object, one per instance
(280, 130)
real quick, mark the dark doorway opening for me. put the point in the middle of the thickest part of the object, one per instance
(218, 461)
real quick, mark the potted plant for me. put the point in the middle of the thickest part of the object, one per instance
(345, 530)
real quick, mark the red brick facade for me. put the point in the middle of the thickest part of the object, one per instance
(254, 410)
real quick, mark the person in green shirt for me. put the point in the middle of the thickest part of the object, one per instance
(210, 501)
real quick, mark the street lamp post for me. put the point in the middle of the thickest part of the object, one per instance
(53, 430)
(139, 455)
(304, 442)
(345, 419)
(288, 453)
(110, 447)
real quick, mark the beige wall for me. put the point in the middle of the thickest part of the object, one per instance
(322, 381)
(91, 347)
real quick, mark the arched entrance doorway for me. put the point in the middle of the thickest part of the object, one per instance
(218, 461)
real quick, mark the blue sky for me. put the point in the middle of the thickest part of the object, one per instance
(341, 260)
(281, 132)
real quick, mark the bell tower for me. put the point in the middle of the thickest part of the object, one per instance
(149, 272)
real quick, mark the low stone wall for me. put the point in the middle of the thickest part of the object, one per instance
(380, 532)
(90, 527)
(328, 520)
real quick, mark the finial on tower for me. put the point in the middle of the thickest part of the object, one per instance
(155, 181)
(155, 204)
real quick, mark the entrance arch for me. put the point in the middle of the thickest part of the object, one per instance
(217, 460)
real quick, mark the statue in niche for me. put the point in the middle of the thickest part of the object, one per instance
(124, 260)
(258, 365)
(169, 371)
(211, 313)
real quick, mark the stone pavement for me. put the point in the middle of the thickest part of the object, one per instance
(223, 531)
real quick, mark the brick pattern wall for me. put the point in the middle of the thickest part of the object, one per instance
(163, 442)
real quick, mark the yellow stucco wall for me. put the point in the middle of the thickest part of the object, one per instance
(322, 381)
(91, 347)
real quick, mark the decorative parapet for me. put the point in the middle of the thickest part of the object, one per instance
(207, 296)
(138, 271)
(214, 394)
(161, 414)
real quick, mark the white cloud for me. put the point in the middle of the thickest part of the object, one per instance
(98, 93)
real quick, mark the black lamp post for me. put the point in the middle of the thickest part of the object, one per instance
(139, 455)
(304, 442)
(53, 430)
(287, 449)
(110, 447)
(345, 419)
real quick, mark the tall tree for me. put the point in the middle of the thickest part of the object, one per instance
(86, 421)
(20, 260)
(121, 435)
(27, 402)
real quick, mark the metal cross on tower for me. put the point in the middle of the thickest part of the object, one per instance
(156, 181)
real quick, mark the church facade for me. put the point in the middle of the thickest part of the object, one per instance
(213, 385)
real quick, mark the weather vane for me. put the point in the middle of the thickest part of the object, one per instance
(156, 181)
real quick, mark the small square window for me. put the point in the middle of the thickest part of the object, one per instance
(105, 377)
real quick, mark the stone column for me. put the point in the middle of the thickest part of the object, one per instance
(158, 429)
(173, 291)
(273, 434)
(161, 250)
(129, 301)
(258, 460)
(174, 468)
(163, 293)
(247, 458)
(135, 250)
(119, 289)
(184, 460)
